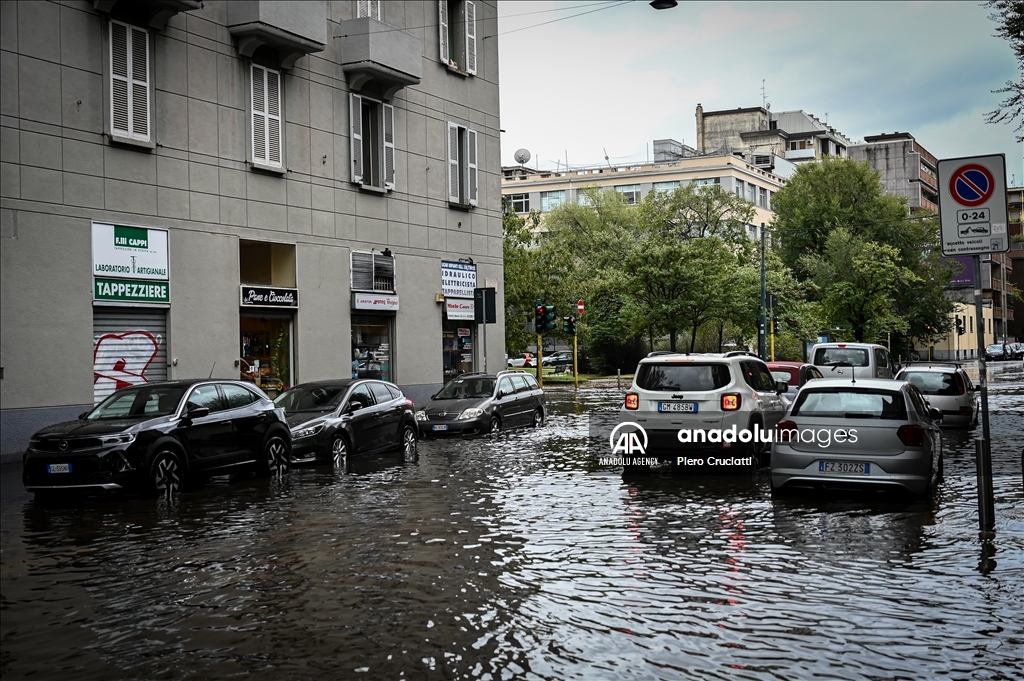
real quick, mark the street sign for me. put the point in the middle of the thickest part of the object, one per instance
(972, 205)
(579, 307)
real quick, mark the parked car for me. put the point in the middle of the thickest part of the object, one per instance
(151, 436)
(1015, 350)
(557, 358)
(995, 352)
(671, 392)
(948, 388)
(524, 359)
(481, 403)
(872, 433)
(795, 374)
(866, 360)
(331, 420)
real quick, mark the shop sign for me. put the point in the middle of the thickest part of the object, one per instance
(130, 252)
(465, 332)
(458, 279)
(128, 291)
(269, 296)
(459, 308)
(374, 301)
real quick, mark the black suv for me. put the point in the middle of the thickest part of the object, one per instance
(150, 436)
(480, 403)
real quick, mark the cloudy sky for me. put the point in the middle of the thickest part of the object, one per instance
(621, 74)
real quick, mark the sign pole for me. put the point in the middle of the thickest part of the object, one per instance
(540, 357)
(484, 301)
(983, 449)
(575, 366)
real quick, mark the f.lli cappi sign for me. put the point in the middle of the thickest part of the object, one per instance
(972, 205)
(127, 252)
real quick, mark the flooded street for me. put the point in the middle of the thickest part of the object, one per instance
(519, 558)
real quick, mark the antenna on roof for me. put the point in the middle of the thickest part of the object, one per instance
(211, 370)
(606, 157)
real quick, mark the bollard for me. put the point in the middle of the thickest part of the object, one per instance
(618, 379)
(986, 503)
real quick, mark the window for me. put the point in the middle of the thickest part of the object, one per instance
(457, 23)
(462, 165)
(762, 197)
(751, 193)
(739, 188)
(584, 197)
(551, 200)
(237, 396)
(129, 81)
(769, 206)
(368, 8)
(665, 187)
(266, 117)
(707, 181)
(372, 142)
(520, 203)
(691, 376)
(630, 193)
(505, 387)
(204, 396)
(381, 393)
(373, 272)
(361, 394)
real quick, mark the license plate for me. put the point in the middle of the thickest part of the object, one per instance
(439, 427)
(688, 407)
(58, 468)
(844, 467)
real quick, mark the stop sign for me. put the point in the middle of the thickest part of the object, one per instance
(579, 306)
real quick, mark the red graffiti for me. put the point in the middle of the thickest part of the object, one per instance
(122, 359)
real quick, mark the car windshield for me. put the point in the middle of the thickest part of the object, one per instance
(312, 398)
(690, 376)
(467, 388)
(851, 403)
(782, 375)
(143, 401)
(933, 382)
(855, 356)
(996, 346)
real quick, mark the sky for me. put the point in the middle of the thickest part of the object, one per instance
(621, 74)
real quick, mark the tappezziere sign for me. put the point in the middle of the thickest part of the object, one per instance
(129, 265)
(972, 205)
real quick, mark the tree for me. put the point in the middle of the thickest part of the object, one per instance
(695, 211)
(521, 278)
(1009, 15)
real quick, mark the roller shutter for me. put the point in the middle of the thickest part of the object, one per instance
(129, 347)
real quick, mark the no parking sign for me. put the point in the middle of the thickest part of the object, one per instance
(972, 205)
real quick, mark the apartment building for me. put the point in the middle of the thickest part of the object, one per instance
(1015, 306)
(907, 169)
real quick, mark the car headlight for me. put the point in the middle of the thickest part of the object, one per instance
(118, 439)
(471, 413)
(308, 431)
(421, 415)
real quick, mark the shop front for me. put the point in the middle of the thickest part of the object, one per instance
(458, 279)
(268, 303)
(373, 328)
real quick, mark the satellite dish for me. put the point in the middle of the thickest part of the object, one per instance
(522, 156)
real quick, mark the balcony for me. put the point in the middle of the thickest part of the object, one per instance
(155, 13)
(291, 29)
(372, 51)
(792, 154)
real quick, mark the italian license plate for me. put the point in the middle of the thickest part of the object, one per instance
(58, 468)
(844, 467)
(688, 407)
(439, 428)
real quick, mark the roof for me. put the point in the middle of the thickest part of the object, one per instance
(725, 112)
(869, 383)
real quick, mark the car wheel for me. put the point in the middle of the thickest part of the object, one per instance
(339, 452)
(167, 476)
(495, 425)
(275, 457)
(538, 418)
(409, 441)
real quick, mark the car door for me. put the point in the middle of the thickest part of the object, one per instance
(882, 368)
(505, 404)
(389, 415)
(209, 438)
(770, 404)
(363, 422)
(523, 403)
(249, 416)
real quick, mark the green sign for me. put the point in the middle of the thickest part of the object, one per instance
(131, 237)
(130, 291)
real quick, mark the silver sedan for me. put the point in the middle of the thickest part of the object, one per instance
(872, 433)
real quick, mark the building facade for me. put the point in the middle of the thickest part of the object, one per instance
(907, 169)
(274, 191)
(1015, 228)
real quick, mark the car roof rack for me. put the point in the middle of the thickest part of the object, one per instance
(925, 363)
(659, 353)
(737, 353)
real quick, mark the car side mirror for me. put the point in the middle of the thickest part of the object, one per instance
(197, 412)
(936, 414)
(781, 387)
(434, 396)
(81, 417)
(354, 406)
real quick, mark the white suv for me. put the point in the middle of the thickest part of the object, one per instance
(672, 393)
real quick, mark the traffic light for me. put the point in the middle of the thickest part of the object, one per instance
(572, 326)
(928, 329)
(549, 317)
(539, 318)
(960, 330)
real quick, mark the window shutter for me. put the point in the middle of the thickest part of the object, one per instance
(362, 271)
(259, 114)
(453, 163)
(389, 145)
(383, 273)
(470, 37)
(375, 9)
(442, 8)
(119, 79)
(355, 137)
(140, 84)
(362, 9)
(273, 118)
(471, 165)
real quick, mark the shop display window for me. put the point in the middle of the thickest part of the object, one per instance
(266, 353)
(456, 347)
(371, 347)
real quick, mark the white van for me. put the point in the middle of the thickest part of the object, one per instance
(868, 360)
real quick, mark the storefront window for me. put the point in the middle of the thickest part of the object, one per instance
(457, 347)
(266, 352)
(371, 347)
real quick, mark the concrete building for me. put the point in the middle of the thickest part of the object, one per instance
(278, 191)
(1015, 207)
(907, 168)
(957, 347)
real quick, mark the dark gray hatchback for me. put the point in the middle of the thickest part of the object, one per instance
(480, 403)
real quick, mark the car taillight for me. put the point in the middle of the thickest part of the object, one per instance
(784, 430)
(731, 402)
(632, 401)
(410, 403)
(961, 388)
(911, 435)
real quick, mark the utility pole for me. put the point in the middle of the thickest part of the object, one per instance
(762, 326)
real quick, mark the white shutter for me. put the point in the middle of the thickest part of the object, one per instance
(355, 136)
(259, 114)
(389, 145)
(119, 82)
(471, 165)
(361, 268)
(273, 118)
(470, 37)
(129, 348)
(453, 163)
(375, 9)
(442, 8)
(362, 9)
(140, 84)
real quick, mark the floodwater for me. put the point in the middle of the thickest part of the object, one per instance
(518, 558)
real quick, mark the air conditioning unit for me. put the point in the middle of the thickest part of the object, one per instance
(762, 161)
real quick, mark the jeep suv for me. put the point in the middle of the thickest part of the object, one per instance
(671, 393)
